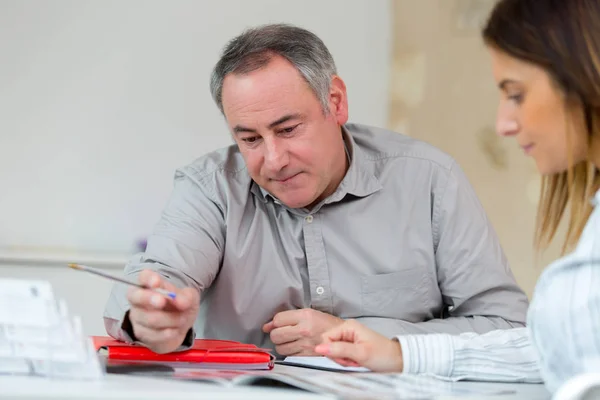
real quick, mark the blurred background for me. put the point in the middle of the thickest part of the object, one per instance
(100, 101)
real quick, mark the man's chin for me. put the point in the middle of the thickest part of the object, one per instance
(295, 201)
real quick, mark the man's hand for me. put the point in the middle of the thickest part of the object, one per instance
(353, 345)
(297, 332)
(161, 323)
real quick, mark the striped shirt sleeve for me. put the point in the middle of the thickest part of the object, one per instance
(564, 318)
(565, 323)
(499, 356)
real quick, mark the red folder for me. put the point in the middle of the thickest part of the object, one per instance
(205, 353)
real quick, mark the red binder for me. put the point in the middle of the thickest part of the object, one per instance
(205, 353)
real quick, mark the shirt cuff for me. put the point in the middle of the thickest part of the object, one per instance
(188, 342)
(427, 354)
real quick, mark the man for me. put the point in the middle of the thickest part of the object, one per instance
(307, 221)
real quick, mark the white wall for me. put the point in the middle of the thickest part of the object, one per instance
(101, 100)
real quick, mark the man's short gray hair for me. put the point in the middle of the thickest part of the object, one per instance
(254, 48)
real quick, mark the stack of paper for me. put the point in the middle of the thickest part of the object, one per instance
(38, 337)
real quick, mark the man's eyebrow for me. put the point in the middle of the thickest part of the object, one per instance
(283, 119)
(243, 129)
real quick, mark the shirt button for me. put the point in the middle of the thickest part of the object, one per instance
(320, 290)
(309, 218)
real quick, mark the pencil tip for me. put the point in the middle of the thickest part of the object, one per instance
(75, 266)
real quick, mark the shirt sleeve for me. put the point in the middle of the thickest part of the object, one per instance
(185, 248)
(451, 325)
(565, 312)
(500, 356)
(478, 288)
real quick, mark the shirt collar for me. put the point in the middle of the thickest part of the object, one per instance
(359, 180)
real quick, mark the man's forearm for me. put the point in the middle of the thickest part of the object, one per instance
(458, 325)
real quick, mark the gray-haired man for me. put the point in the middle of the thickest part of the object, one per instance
(307, 221)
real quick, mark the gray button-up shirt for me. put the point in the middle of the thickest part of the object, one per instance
(403, 245)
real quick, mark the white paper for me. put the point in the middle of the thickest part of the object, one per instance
(39, 337)
(321, 362)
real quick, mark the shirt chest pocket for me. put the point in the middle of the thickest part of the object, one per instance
(398, 295)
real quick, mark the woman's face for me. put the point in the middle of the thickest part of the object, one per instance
(534, 111)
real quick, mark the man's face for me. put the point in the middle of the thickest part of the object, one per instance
(291, 147)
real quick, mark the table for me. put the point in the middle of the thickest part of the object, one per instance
(123, 387)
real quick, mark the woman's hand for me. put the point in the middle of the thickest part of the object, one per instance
(352, 344)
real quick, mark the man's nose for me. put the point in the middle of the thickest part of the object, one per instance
(276, 155)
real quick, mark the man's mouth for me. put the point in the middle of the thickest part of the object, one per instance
(286, 178)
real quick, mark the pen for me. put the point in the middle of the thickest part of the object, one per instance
(95, 271)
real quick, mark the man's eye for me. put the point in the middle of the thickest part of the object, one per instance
(289, 129)
(250, 139)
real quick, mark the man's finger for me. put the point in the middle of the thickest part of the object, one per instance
(185, 299)
(157, 340)
(150, 278)
(285, 334)
(146, 299)
(286, 318)
(290, 349)
(268, 327)
(156, 319)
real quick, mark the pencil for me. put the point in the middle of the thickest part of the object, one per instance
(98, 272)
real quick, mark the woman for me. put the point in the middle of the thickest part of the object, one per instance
(546, 61)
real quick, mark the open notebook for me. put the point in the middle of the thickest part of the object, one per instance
(341, 385)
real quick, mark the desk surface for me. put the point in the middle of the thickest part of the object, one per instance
(144, 388)
(136, 388)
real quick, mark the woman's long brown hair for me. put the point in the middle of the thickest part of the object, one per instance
(563, 38)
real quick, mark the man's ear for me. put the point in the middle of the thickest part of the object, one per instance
(338, 100)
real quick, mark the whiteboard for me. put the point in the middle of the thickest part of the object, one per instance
(100, 102)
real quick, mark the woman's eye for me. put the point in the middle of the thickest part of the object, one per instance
(517, 98)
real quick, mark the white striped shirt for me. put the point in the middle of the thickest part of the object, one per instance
(562, 338)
